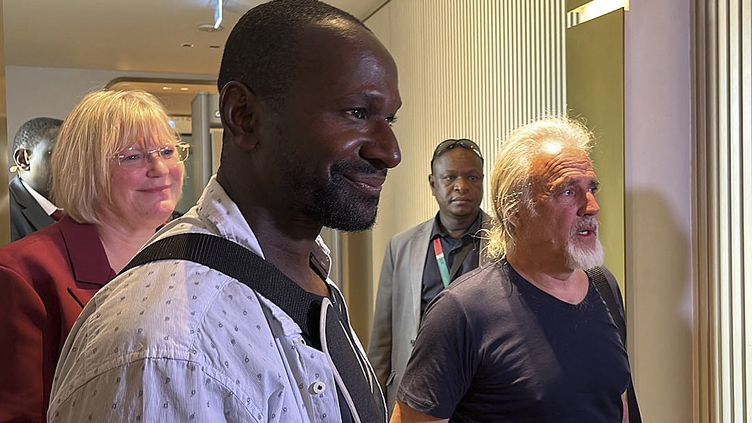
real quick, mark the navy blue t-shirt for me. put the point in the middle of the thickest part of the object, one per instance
(495, 348)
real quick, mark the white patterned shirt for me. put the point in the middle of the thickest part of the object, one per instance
(175, 341)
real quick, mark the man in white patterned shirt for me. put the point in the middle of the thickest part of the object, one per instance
(308, 95)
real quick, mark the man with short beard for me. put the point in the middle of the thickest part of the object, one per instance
(528, 337)
(226, 315)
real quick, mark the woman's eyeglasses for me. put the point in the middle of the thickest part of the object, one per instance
(135, 158)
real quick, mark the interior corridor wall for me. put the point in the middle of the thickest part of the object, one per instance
(38, 91)
(658, 187)
(478, 68)
(467, 69)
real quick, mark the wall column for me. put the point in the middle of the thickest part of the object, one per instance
(4, 146)
(723, 209)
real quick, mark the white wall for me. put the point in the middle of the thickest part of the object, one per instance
(658, 206)
(52, 92)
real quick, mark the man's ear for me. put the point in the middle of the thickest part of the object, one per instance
(432, 183)
(22, 158)
(238, 107)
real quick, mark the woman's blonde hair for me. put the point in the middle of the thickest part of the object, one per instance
(511, 180)
(101, 125)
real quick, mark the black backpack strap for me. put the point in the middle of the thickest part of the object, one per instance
(241, 264)
(598, 277)
(602, 285)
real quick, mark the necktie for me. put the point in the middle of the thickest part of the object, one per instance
(57, 215)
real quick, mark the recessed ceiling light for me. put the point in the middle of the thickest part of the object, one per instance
(183, 88)
(215, 46)
(189, 45)
(166, 88)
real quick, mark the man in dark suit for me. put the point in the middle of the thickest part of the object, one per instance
(420, 262)
(30, 207)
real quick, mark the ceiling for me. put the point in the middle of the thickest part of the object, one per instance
(175, 94)
(132, 36)
(127, 35)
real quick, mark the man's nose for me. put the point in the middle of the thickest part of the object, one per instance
(590, 206)
(383, 146)
(461, 184)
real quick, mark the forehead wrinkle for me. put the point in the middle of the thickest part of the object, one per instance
(573, 180)
(558, 169)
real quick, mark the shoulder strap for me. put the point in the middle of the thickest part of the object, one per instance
(604, 289)
(242, 264)
(598, 277)
(303, 307)
(459, 260)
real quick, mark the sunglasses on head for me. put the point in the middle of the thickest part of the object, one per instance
(449, 144)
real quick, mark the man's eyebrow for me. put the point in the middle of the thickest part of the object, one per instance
(569, 181)
(370, 95)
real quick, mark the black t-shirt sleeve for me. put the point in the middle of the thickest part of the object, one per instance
(443, 361)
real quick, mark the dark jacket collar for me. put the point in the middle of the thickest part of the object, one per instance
(33, 212)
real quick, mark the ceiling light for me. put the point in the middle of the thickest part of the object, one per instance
(183, 88)
(189, 45)
(218, 15)
(207, 27)
(166, 88)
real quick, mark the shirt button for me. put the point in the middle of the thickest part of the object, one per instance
(412, 342)
(317, 388)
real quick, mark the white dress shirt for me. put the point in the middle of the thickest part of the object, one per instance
(174, 341)
(43, 202)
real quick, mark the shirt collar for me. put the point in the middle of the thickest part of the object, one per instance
(218, 209)
(472, 231)
(44, 203)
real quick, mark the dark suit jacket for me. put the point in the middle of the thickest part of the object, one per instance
(45, 280)
(26, 215)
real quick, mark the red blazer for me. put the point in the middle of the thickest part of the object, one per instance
(45, 280)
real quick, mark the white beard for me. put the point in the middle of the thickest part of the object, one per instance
(579, 258)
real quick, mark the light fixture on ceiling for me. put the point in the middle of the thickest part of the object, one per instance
(166, 88)
(217, 25)
(188, 45)
(218, 15)
(183, 88)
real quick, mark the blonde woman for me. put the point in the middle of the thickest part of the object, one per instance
(117, 172)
